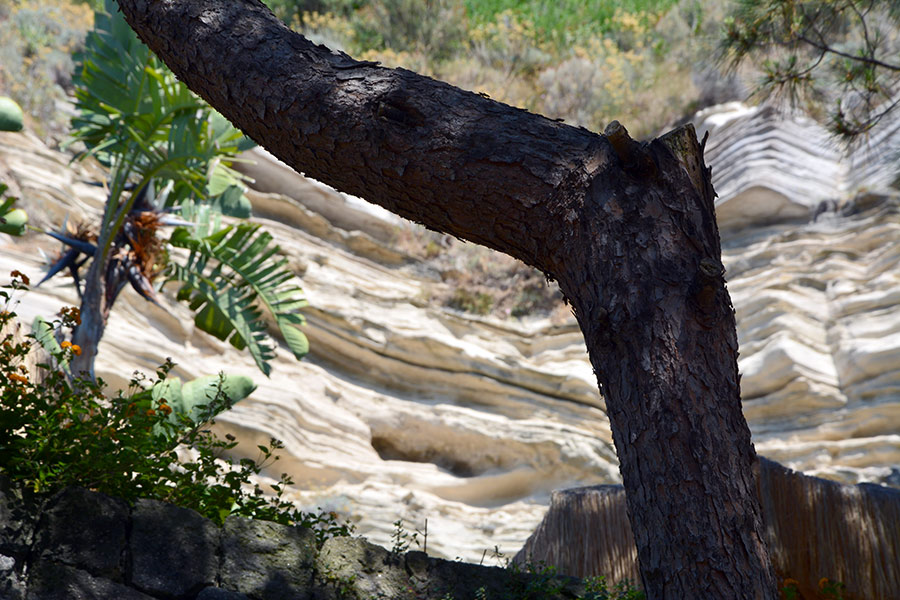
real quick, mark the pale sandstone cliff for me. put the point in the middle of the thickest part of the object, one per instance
(409, 409)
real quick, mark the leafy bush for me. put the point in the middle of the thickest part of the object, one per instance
(642, 74)
(565, 22)
(436, 28)
(646, 63)
(545, 581)
(828, 589)
(56, 432)
(465, 300)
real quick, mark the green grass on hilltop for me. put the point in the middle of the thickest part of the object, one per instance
(564, 20)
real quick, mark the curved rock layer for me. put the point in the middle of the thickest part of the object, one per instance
(410, 410)
(811, 241)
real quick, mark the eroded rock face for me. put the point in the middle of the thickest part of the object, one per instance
(811, 241)
(410, 410)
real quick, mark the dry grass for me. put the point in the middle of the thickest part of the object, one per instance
(482, 281)
(37, 39)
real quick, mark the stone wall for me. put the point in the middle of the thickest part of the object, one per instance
(82, 545)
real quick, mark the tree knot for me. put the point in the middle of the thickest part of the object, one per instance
(635, 156)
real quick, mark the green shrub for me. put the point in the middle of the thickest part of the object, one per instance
(595, 588)
(533, 298)
(56, 432)
(436, 28)
(565, 21)
(828, 590)
(465, 300)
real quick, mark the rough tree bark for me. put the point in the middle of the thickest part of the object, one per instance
(627, 229)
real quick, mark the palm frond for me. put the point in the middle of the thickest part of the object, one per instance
(227, 276)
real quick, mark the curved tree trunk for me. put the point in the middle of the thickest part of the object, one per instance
(627, 229)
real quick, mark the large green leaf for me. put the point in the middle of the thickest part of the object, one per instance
(12, 220)
(195, 399)
(223, 311)
(43, 332)
(227, 275)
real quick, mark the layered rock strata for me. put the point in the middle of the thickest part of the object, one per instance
(408, 409)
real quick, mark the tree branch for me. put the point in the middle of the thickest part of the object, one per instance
(862, 59)
(387, 135)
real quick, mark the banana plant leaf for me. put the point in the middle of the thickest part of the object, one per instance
(194, 400)
(43, 334)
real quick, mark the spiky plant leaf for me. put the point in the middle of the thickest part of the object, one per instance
(230, 273)
(132, 107)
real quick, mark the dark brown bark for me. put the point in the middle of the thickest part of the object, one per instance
(628, 230)
(647, 285)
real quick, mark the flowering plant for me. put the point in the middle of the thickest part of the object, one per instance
(57, 431)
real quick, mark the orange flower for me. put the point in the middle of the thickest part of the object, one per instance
(150, 412)
(21, 276)
(17, 377)
(76, 349)
(165, 409)
(71, 314)
(823, 582)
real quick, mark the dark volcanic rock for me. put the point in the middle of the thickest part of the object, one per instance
(267, 560)
(173, 550)
(84, 529)
(52, 581)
